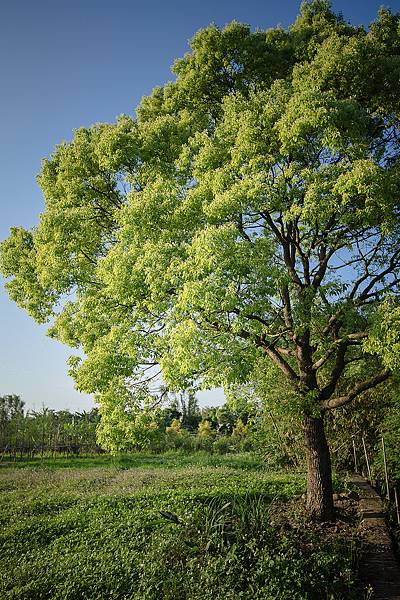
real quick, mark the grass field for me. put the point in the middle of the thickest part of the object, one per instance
(171, 526)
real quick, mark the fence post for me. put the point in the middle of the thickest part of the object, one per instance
(397, 505)
(366, 460)
(386, 470)
(355, 457)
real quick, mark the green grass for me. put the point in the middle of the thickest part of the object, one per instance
(172, 458)
(91, 528)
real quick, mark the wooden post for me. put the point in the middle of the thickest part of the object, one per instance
(397, 505)
(386, 470)
(355, 457)
(366, 460)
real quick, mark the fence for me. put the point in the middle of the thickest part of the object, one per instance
(12, 452)
(385, 485)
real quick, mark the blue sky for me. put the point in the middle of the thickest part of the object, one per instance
(65, 65)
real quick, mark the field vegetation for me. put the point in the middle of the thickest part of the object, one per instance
(180, 526)
(242, 224)
(241, 230)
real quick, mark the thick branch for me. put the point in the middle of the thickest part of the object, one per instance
(355, 391)
(287, 308)
(324, 258)
(288, 257)
(281, 363)
(337, 371)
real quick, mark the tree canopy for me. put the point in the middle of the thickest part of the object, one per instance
(247, 215)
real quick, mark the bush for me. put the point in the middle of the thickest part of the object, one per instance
(228, 548)
(222, 444)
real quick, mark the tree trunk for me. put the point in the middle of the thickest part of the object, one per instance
(319, 470)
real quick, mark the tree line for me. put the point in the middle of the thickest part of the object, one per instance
(28, 432)
(180, 423)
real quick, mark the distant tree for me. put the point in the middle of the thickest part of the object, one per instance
(245, 401)
(225, 418)
(11, 415)
(169, 413)
(248, 216)
(11, 406)
(190, 409)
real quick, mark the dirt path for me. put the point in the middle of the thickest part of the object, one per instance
(379, 569)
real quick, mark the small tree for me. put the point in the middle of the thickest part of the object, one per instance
(175, 428)
(248, 216)
(204, 430)
(11, 417)
(189, 409)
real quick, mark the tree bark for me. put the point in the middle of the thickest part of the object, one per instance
(319, 471)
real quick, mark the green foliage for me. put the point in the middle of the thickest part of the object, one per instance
(365, 419)
(11, 417)
(223, 444)
(205, 430)
(385, 335)
(247, 216)
(150, 527)
(389, 429)
(232, 535)
(33, 432)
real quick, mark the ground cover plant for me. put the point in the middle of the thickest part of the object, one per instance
(172, 526)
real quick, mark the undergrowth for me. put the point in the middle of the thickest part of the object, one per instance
(179, 531)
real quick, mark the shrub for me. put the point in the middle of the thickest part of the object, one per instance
(222, 444)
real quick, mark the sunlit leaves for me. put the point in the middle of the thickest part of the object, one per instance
(18, 259)
(267, 169)
(384, 339)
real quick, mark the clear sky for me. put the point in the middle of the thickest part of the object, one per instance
(67, 64)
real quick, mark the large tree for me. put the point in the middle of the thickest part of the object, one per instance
(247, 216)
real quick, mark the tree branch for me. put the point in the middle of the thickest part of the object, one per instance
(281, 363)
(287, 255)
(287, 308)
(355, 391)
(353, 339)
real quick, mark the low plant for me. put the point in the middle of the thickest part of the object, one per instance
(170, 526)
